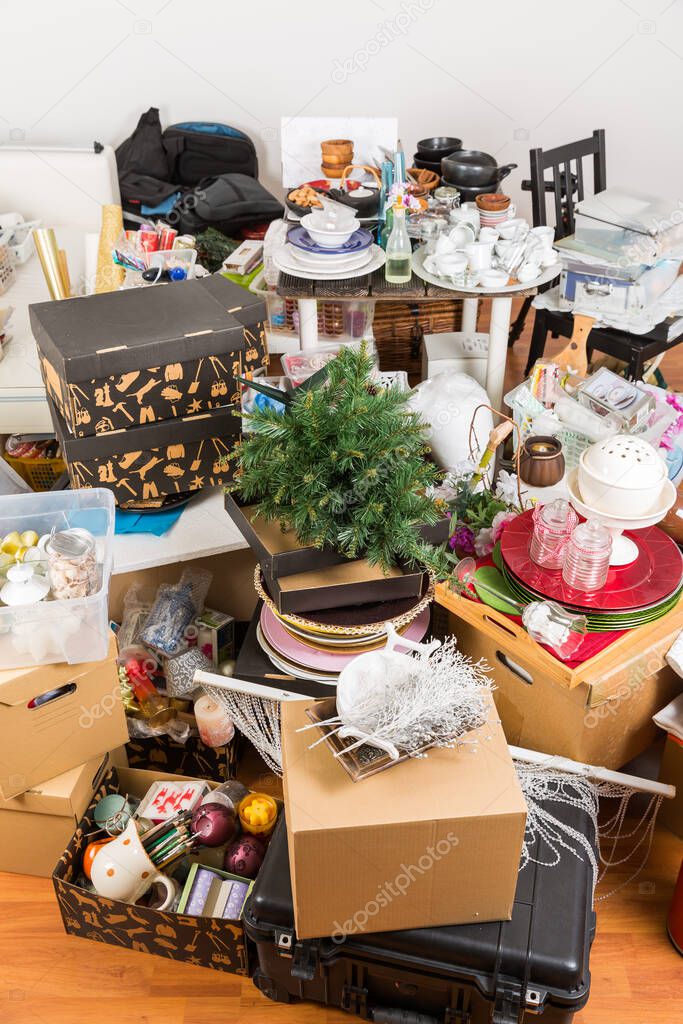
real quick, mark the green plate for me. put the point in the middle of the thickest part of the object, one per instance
(498, 595)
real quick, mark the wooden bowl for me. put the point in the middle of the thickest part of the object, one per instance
(337, 148)
(332, 172)
(428, 180)
(494, 202)
(332, 160)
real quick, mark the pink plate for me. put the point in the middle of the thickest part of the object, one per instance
(292, 649)
(652, 577)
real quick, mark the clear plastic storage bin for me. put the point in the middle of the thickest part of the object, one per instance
(49, 631)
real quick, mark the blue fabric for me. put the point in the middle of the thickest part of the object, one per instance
(165, 206)
(211, 128)
(157, 523)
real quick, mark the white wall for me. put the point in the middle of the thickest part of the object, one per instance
(503, 75)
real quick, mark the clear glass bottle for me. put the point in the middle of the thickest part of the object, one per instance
(399, 265)
(586, 557)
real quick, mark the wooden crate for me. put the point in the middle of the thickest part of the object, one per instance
(600, 712)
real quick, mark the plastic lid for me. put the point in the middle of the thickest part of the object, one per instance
(625, 461)
(70, 544)
(20, 573)
(592, 536)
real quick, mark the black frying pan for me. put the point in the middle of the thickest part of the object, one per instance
(471, 168)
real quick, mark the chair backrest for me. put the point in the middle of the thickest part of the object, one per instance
(567, 180)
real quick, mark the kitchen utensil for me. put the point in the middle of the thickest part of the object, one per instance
(541, 462)
(552, 527)
(621, 475)
(123, 871)
(365, 204)
(437, 147)
(473, 168)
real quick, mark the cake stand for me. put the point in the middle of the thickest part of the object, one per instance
(624, 550)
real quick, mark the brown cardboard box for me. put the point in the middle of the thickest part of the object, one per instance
(431, 841)
(85, 719)
(598, 713)
(36, 826)
(671, 771)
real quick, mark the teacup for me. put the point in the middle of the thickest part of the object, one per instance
(468, 212)
(123, 871)
(479, 255)
(462, 234)
(514, 228)
(452, 264)
(488, 235)
(528, 271)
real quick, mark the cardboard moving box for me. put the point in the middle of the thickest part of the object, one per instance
(55, 717)
(430, 841)
(599, 712)
(671, 771)
(36, 826)
(136, 356)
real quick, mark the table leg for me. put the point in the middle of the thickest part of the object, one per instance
(308, 323)
(469, 315)
(501, 310)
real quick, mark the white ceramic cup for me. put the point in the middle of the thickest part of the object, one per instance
(488, 235)
(528, 271)
(452, 264)
(123, 871)
(513, 228)
(462, 234)
(479, 255)
(543, 236)
(468, 212)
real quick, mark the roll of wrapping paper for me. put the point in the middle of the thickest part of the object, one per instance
(109, 275)
(48, 254)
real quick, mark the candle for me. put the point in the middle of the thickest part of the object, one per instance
(215, 726)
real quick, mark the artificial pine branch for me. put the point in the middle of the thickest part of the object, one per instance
(344, 466)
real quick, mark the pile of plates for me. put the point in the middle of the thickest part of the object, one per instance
(633, 595)
(329, 247)
(317, 648)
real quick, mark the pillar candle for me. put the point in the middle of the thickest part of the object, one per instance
(215, 726)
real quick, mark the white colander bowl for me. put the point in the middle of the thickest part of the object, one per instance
(621, 475)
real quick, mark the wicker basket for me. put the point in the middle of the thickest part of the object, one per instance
(39, 474)
(400, 326)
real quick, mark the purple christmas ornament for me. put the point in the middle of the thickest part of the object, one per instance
(214, 824)
(244, 857)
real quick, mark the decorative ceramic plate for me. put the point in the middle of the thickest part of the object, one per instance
(653, 576)
(359, 240)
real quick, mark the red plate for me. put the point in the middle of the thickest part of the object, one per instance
(654, 575)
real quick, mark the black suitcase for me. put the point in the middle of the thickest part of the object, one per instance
(501, 972)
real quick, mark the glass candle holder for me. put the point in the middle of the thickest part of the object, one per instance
(550, 624)
(553, 525)
(586, 557)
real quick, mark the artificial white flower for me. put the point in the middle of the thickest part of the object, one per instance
(506, 488)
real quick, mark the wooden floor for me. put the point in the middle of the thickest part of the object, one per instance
(47, 977)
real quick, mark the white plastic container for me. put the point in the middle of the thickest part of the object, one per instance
(52, 631)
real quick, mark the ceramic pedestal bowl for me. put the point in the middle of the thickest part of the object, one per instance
(624, 550)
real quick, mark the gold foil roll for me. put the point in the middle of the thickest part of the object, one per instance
(48, 254)
(109, 275)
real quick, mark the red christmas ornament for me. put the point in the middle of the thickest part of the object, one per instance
(244, 857)
(214, 824)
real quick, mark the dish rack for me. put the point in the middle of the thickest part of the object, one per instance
(39, 474)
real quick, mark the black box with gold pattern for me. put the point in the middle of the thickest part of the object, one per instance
(147, 464)
(134, 357)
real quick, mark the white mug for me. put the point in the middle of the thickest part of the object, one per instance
(452, 264)
(488, 235)
(479, 255)
(123, 871)
(461, 234)
(528, 271)
(468, 212)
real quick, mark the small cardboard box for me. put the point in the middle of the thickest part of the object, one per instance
(599, 712)
(36, 826)
(134, 357)
(206, 941)
(155, 461)
(55, 717)
(671, 771)
(430, 841)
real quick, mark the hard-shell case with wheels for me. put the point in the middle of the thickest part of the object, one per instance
(502, 972)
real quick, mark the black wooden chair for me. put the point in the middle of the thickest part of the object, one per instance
(566, 184)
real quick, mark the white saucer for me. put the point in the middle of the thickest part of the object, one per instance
(624, 550)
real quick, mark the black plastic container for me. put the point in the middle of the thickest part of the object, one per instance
(506, 972)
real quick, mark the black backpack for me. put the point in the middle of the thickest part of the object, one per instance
(213, 166)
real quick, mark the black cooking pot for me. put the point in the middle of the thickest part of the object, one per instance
(471, 168)
(436, 148)
(365, 206)
(427, 165)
